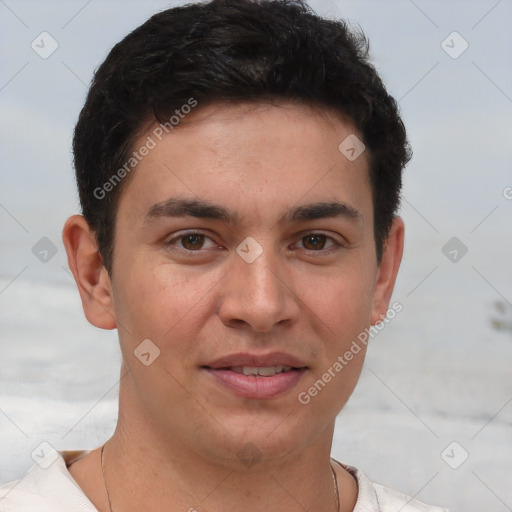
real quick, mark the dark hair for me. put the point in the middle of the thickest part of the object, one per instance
(235, 51)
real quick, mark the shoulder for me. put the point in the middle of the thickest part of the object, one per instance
(45, 488)
(373, 497)
(391, 501)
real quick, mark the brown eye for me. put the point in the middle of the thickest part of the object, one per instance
(314, 242)
(192, 242)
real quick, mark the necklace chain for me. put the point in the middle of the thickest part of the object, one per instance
(104, 478)
(336, 490)
(334, 480)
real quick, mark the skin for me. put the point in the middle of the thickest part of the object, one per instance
(178, 434)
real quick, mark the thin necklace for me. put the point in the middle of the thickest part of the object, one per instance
(336, 491)
(104, 478)
(334, 480)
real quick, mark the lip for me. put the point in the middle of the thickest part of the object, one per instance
(246, 359)
(257, 388)
(252, 387)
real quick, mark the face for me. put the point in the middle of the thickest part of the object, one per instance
(244, 245)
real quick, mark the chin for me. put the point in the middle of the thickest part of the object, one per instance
(255, 438)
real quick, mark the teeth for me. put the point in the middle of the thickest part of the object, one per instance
(270, 370)
(264, 371)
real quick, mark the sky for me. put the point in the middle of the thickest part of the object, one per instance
(448, 65)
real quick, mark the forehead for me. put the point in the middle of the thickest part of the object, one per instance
(249, 157)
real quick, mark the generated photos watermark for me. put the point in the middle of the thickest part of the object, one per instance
(304, 397)
(151, 142)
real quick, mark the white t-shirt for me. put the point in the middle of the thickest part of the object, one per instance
(54, 490)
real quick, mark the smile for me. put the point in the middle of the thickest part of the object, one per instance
(256, 376)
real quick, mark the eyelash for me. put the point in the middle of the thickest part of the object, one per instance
(335, 244)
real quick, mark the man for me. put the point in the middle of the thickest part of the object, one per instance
(239, 168)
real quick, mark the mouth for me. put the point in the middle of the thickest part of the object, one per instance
(260, 371)
(257, 377)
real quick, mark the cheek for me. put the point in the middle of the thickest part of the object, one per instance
(161, 302)
(341, 299)
(341, 307)
(344, 313)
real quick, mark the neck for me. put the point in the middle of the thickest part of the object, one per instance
(188, 482)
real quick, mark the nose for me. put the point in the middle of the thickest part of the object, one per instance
(258, 296)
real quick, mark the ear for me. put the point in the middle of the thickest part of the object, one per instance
(91, 277)
(388, 270)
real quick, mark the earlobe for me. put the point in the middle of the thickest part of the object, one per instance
(388, 270)
(91, 277)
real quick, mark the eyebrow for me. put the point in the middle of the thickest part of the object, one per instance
(324, 210)
(180, 207)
